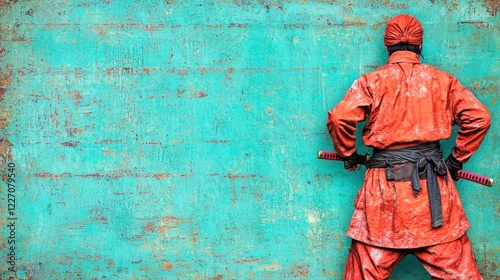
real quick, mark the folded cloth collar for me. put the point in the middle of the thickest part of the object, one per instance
(403, 56)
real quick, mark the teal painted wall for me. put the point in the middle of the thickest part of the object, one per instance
(177, 139)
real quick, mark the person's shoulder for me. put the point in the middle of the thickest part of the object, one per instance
(381, 71)
(434, 68)
(440, 73)
(378, 69)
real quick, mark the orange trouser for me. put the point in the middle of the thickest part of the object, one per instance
(453, 260)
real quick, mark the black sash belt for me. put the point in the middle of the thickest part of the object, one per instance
(426, 159)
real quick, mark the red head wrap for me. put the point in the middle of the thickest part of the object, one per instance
(403, 29)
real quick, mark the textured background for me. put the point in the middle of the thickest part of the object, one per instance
(172, 139)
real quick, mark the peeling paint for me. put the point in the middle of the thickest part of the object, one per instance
(177, 139)
(492, 6)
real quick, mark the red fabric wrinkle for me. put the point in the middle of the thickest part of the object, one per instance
(403, 29)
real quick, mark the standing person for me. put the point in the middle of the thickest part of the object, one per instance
(408, 203)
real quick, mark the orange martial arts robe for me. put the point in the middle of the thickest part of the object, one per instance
(406, 103)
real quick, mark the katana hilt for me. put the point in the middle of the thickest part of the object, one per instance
(334, 156)
(475, 178)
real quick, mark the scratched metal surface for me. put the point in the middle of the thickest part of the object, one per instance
(177, 139)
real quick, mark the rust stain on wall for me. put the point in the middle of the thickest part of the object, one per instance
(4, 3)
(167, 266)
(177, 138)
(5, 115)
(112, 175)
(492, 6)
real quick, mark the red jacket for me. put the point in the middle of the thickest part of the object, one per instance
(406, 103)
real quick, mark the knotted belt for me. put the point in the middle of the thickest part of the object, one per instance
(426, 158)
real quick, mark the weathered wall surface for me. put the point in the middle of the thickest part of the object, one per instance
(163, 139)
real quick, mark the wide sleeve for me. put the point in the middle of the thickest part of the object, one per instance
(473, 120)
(342, 119)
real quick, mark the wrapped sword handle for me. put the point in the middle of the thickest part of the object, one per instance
(334, 156)
(483, 180)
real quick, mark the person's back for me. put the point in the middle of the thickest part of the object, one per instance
(412, 103)
(407, 202)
